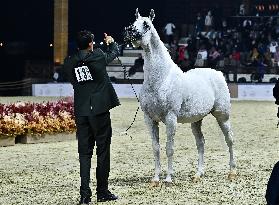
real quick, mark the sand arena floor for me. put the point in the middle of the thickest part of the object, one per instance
(48, 173)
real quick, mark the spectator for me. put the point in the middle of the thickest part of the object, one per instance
(235, 58)
(224, 25)
(260, 68)
(254, 55)
(272, 46)
(58, 75)
(201, 57)
(214, 56)
(268, 59)
(55, 76)
(242, 10)
(169, 32)
(199, 24)
(212, 34)
(208, 21)
(173, 49)
(276, 56)
(183, 57)
(138, 65)
(247, 24)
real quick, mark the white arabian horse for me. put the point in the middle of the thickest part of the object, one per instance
(168, 95)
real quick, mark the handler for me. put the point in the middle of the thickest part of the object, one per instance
(272, 189)
(94, 96)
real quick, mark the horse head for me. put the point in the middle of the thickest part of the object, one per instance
(140, 32)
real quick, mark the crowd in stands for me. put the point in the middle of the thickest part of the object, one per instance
(247, 43)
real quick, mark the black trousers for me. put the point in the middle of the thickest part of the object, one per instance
(272, 191)
(91, 130)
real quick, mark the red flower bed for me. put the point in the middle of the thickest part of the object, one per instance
(36, 118)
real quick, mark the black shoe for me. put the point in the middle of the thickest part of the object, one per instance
(107, 196)
(84, 201)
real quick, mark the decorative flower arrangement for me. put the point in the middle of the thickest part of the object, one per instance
(37, 118)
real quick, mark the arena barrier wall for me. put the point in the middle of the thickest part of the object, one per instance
(247, 91)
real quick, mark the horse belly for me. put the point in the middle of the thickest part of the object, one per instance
(193, 112)
(190, 119)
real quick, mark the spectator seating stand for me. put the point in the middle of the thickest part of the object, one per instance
(231, 72)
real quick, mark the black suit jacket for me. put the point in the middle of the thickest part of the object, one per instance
(276, 92)
(272, 190)
(97, 96)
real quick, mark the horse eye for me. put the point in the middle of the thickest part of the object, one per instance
(145, 24)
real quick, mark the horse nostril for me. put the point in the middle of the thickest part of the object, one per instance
(130, 28)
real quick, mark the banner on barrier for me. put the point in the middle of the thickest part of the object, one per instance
(126, 91)
(255, 92)
(241, 92)
(53, 89)
(66, 89)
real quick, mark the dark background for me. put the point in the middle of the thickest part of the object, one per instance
(109, 16)
(31, 22)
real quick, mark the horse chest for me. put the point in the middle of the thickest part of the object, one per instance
(154, 105)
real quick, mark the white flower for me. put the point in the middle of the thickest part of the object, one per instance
(19, 119)
(19, 104)
(7, 118)
(35, 113)
(64, 114)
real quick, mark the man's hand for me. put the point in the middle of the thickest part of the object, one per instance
(108, 39)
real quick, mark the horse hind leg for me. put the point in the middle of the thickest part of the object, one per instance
(196, 130)
(154, 131)
(227, 131)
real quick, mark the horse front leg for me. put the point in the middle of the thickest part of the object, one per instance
(171, 121)
(153, 127)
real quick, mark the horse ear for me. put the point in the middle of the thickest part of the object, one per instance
(137, 13)
(152, 15)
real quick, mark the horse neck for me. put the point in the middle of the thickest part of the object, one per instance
(157, 61)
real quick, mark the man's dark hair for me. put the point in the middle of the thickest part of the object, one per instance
(84, 38)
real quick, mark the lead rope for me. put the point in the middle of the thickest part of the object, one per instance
(127, 76)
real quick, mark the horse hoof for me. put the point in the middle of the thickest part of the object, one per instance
(154, 184)
(232, 175)
(196, 178)
(168, 184)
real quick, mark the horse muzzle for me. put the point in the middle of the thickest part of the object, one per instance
(132, 34)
